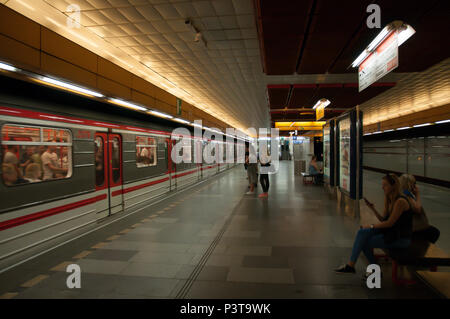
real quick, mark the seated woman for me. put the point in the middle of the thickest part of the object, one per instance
(315, 170)
(393, 231)
(422, 230)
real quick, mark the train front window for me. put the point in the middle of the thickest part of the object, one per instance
(146, 151)
(33, 154)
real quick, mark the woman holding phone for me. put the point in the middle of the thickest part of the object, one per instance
(393, 231)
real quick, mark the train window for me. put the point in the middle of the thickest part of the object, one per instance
(99, 162)
(115, 157)
(146, 149)
(33, 154)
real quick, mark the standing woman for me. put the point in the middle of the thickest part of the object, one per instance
(264, 161)
(393, 231)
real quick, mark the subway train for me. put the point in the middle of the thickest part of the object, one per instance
(69, 162)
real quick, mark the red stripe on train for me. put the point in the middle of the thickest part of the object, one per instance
(183, 174)
(134, 188)
(49, 212)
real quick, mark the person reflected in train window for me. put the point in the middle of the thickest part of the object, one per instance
(422, 230)
(50, 163)
(10, 155)
(11, 176)
(27, 157)
(33, 173)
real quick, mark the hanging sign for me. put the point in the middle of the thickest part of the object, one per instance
(320, 112)
(379, 63)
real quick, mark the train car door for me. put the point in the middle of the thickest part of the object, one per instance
(101, 171)
(115, 173)
(108, 167)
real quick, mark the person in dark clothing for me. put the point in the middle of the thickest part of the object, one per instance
(393, 231)
(264, 161)
(422, 230)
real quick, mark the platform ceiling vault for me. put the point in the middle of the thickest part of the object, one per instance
(252, 47)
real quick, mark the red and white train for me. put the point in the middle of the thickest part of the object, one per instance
(61, 173)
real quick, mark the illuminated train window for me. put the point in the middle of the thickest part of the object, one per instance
(146, 151)
(32, 154)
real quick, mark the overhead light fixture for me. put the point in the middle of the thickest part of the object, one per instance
(403, 128)
(377, 132)
(323, 102)
(68, 86)
(388, 130)
(360, 58)
(181, 120)
(7, 67)
(379, 38)
(441, 122)
(160, 114)
(404, 32)
(420, 125)
(127, 104)
(367, 134)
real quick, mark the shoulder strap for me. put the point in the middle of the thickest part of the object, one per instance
(407, 200)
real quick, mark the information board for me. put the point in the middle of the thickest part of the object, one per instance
(326, 152)
(379, 63)
(344, 153)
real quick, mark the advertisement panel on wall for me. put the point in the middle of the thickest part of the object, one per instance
(344, 153)
(326, 152)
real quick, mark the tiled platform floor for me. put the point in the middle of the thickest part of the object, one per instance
(212, 241)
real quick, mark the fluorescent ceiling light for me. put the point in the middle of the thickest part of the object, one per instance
(196, 125)
(360, 58)
(181, 120)
(367, 134)
(440, 122)
(7, 67)
(324, 102)
(69, 86)
(128, 104)
(420, 125)
(405, 34)
(160, 114)
(379, 38)
(403, 128)
(377, 132)
(388, 130)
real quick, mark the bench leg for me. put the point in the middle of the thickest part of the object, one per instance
(397, 281)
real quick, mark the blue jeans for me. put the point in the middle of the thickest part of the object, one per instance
(368, 239)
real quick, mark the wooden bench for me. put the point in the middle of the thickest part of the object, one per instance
(307, 178)
(419, 254)
(437, 281)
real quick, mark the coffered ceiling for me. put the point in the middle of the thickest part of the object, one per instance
(251, 45)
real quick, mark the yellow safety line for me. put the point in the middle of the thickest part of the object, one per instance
(99, 245)
(82, 254)
(62, 266)
(9, 295)
(114, 237)
(34, 281)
